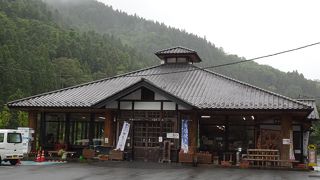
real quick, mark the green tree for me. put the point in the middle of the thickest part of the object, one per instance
(5, 116)
(23, 119)
(70, 72)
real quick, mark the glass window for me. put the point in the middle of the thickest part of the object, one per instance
(171, 60)
(14, 138)
(79, 129)
(181, 60)
(98, 137)
(241, 137)
(1, 137)
(212, 138)
(55, 128)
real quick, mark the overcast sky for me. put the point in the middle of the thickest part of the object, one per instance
(248, 28)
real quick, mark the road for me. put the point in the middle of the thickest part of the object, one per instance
(139, 171)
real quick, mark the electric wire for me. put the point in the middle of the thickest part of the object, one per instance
(198, 68)
(228, 64)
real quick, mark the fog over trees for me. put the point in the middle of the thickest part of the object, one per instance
(59, 43)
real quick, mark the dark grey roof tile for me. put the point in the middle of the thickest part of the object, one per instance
(201, 88)
(314, 115)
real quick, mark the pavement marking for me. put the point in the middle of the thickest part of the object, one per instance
(314, 176)
(32, 163)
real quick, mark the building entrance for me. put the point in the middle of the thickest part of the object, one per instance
(146, 140)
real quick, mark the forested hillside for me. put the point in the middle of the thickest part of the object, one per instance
(37, 55)
(147, 37)
(45, 47)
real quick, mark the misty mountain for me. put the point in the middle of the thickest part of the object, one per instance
(148, 36)
(38, 55)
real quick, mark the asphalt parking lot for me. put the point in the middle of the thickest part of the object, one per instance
(139, 171)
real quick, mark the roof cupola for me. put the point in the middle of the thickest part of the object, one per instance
(178, 55)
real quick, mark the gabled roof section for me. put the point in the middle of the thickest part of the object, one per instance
(192, 85)
(314, 115)
(83, 95)
(142, 83)
(178, 51)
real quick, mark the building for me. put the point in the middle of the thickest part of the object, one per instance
(193, 108)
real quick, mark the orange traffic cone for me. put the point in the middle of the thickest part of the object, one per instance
(38, 158)
(43, 158)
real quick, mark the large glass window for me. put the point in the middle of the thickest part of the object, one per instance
(55, 128)
(212, 131)
(79, 129)
(241, 137)
(218, 133)
(98, 137)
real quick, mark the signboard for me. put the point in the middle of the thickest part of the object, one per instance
(312, 155)
(184, 136)
(286, 141)
(173, 135)
(305, 143)
(123, 136)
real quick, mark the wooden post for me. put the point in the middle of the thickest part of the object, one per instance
(32, 116)
(286, 128)
(67, 130)
(108, 129)
(32, 123)
(42, 130)
(91, 128)
(193, 133)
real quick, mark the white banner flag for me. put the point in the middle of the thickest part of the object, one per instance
(123, 136)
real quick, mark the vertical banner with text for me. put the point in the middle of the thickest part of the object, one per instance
(184, 136)
(123, 136)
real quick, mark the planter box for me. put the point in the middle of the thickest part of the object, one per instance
(225, 164)
(244, 164)
(186, 157)
(103, 157)
(204, 158)
(116, 155)
(88, 153)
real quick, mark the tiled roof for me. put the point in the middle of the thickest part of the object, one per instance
(200, 88)
(176, 50)
(179, 51)
(314, 115)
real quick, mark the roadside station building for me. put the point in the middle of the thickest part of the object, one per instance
(197, 110)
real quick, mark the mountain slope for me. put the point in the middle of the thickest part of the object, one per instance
(37, 55)
(147, 37)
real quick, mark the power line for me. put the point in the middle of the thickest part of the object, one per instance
(228, 64)
(181, 71)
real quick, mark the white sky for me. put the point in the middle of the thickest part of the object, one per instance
(248, 28)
